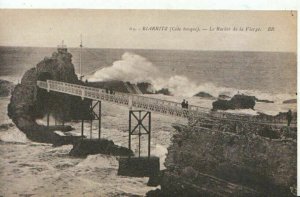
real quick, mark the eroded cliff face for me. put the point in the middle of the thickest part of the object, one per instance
(29, 103)
(229, 159)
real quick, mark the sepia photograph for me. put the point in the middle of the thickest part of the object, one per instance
(156, 103)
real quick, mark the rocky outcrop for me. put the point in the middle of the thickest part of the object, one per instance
(119, 86)
(228, 159)
(290, 101)
(223, 97)
(29, 103)
(236, 102)
(164, 91)
(6, 87)
(204, 95)
(85, 147)
(263, 100)
(146, 88)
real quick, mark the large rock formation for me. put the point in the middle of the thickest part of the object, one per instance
(29, 103)
(228, 158)
(236, 102)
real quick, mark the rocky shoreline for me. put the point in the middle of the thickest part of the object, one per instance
(232, 160)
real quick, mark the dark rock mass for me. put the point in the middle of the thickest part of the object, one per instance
(233, 158)
(119, 86)
(290, 101)
(115, 85)
(145, 87)
(236, 102)
(85, 147)
(223, 97)
(29, 103)
(6, 87)
(164, 91)
(263, 100)
(205, 95)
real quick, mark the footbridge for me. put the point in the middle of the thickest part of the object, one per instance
(141, 102)
(140, 108)
(130, 100)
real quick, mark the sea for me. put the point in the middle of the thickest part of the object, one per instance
(36, 169)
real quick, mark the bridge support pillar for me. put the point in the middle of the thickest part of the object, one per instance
(139, 166)
(48, 119)
(140, 116)
(94, 115)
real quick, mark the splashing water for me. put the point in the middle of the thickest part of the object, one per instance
(135, 68)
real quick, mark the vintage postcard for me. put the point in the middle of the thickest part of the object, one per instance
(148, 103)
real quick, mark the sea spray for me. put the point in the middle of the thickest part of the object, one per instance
(131, 67)
(136, 68)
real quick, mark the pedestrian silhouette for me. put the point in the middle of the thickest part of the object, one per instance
(183, 103)
(289, 117)
(186, 104)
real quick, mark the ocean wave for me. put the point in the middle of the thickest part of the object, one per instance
(11, 78)
(13, 135)
(136, 69)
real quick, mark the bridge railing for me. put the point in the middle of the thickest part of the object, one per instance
(152, 104)
(146, 103)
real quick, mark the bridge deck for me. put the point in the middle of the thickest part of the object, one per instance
(142, 102)
(131, 100)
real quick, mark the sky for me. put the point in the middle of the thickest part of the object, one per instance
(113, 29)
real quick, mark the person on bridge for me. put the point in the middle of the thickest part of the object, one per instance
(186, 104)
(289, 117)
(183, 103)
(111, 91)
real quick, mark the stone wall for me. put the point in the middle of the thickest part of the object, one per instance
(219, 158)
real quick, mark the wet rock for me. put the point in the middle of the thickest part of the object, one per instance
(164, 91)
(85, 147)
(290, 101)
(6, 88)
(223, 97)
(139, 166)
(236, 102)
(204, 185)
(119, 86)
(154, 181)
(29, 103)
(263, 100)
(155, 193)
(204, 95)
(221, 163)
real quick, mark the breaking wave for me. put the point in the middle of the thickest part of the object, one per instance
(12, 134)
(135, 68)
